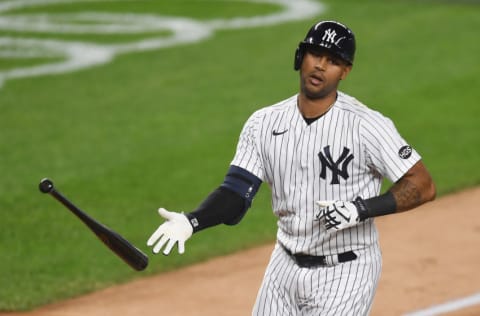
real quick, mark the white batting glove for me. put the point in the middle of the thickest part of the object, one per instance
(177, 229)
(338, 214)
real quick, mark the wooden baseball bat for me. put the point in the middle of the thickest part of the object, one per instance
(134, 257)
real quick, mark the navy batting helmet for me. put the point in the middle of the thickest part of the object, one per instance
(330, 35)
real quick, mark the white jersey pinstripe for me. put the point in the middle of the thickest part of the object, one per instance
(344, 154)
(279, 147)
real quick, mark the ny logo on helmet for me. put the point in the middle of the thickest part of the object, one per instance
(329, 36)
(328, 162)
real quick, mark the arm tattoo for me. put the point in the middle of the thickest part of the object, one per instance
(407, 195)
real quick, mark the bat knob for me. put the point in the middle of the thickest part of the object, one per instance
(45, 185)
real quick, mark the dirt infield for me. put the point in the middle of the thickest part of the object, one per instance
(430, 256)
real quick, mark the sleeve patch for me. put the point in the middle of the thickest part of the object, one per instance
(405, 152)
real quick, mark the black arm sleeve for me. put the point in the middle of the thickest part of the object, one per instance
(221, 206)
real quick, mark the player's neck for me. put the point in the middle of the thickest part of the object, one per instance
(311, 108)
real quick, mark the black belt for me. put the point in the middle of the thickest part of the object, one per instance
(307, 261)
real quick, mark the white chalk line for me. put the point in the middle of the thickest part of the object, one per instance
(448, 307)
(78, 55)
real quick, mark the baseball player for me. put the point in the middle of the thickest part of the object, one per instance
(324, 156)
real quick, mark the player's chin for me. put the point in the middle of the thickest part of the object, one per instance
(314, 92)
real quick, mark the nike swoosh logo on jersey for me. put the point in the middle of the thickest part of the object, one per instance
(275, 133)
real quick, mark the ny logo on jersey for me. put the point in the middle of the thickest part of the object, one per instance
(328, 162)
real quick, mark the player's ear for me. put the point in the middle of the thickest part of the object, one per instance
(346, 71)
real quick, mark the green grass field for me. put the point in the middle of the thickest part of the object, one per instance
(159, 128)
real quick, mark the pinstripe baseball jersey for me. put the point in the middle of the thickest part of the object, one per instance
(344, 154)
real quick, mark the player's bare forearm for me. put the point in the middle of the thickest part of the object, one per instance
(407, 194)
(414, 188)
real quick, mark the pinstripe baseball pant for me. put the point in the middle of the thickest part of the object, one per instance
(341, 289)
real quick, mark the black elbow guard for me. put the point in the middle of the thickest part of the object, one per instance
(245, 185)
(229, 203)
(242, 182)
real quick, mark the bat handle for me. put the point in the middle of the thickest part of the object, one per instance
(46, 186)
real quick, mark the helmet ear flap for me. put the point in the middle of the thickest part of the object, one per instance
(298, 58)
